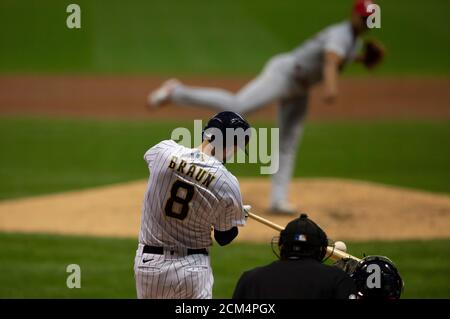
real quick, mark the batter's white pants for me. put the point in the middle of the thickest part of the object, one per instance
(276, 83)
(177, 276)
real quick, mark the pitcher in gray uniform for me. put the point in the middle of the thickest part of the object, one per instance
(285, 79)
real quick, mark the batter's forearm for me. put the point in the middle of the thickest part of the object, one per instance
(225, 237)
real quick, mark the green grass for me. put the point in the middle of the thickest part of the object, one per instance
(34, 266)
(406, 153)
(48, 155)
(206, 37)
(51, 155)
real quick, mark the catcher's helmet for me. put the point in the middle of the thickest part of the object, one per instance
(390, 283)
(227, 120)
(303, 238)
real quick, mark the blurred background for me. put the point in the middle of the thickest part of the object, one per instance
(374, 169)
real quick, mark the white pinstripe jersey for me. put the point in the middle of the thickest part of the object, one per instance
(188, 192)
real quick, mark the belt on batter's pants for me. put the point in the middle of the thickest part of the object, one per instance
(160, 251)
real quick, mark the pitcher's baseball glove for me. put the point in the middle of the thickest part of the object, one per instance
(373, 53)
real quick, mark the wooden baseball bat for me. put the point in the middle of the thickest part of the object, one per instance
(333, 253)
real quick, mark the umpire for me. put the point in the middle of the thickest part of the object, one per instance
(300, 273)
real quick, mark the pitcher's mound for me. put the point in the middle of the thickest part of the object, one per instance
(345, 209)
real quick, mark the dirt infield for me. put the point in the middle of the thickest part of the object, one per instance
(124, 97)
(345, 209)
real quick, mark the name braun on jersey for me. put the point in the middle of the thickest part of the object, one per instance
(191, 170)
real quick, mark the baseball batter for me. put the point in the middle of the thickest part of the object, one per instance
(287, 79)
(189, 193)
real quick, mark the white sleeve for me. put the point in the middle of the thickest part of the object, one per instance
(231, 213)
(151, 154)
(338, 41)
